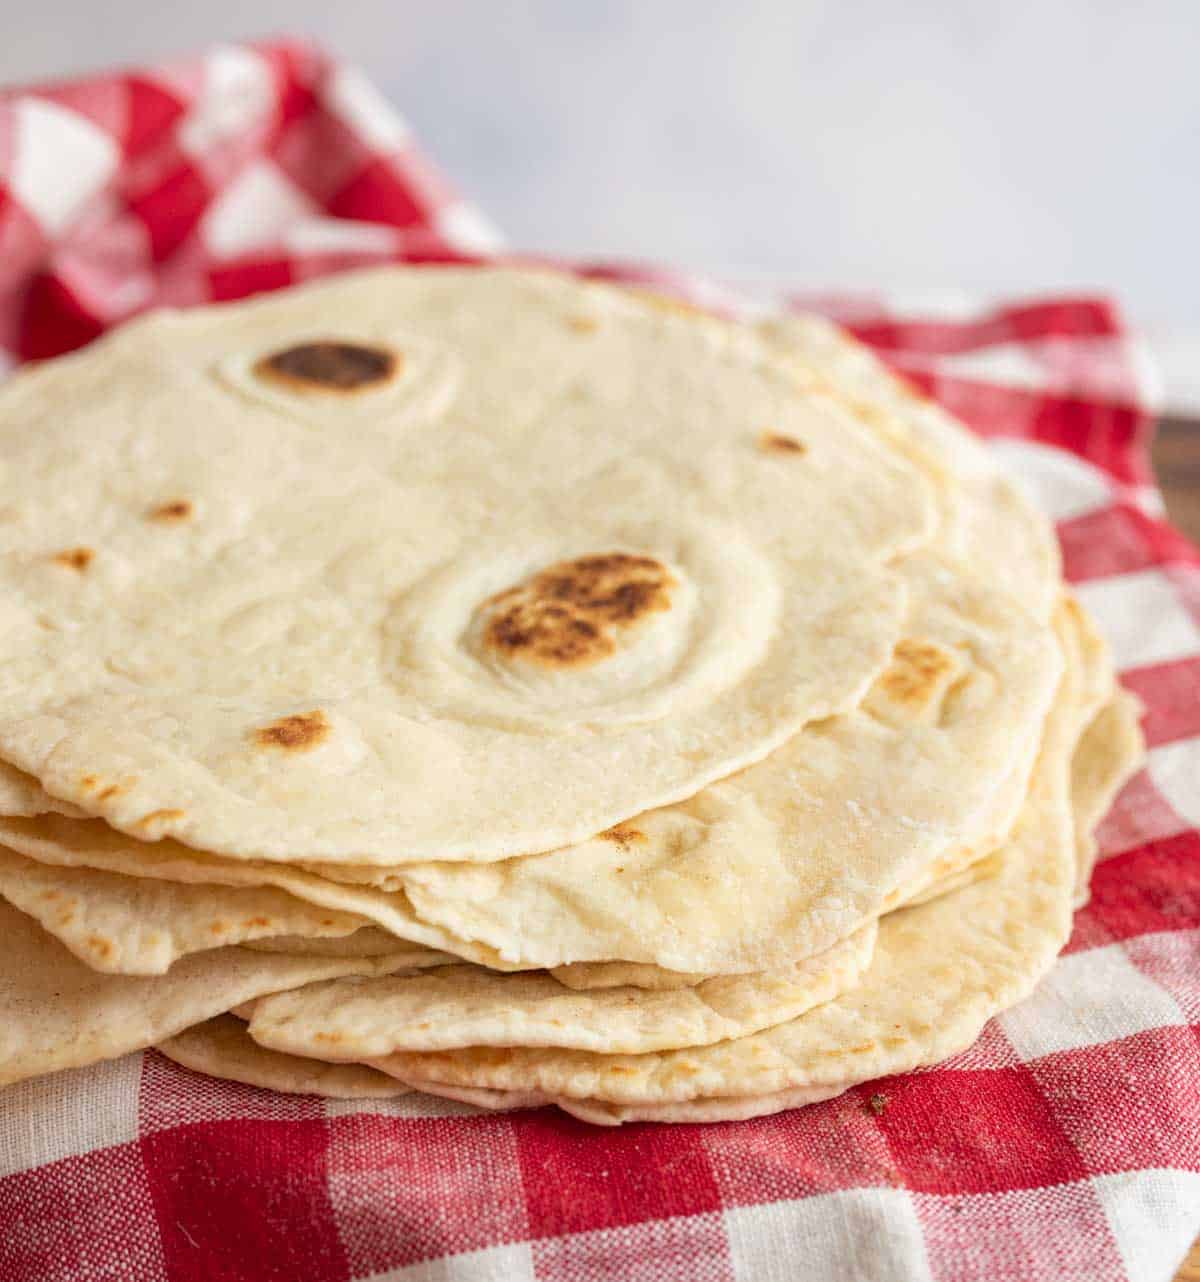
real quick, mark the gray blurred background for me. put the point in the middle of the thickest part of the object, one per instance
(915, 144)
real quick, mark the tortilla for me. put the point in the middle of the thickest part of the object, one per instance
(57, 1013)
(259, 628)
(137, 926)
(89, 843)
(460, 1006)
(221, 1047)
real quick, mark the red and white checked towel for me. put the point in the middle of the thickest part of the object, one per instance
(1064, 1145)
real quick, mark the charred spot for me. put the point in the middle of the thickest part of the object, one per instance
(297, 733)
(160, 818)
(872, 414)
(569, 614)
(329, 365)
(665, 302)
(916, 669)
(624, 835)
(77, 559)
(777, 443)
(100, 946)
(175, 510)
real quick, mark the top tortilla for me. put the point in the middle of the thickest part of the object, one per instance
(561, 558)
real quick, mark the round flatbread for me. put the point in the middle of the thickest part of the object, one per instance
(140, 926)
(56, 1012)
(460, 1006)
(239, 610)
(221, 1047)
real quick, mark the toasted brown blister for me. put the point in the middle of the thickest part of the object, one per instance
(571, 614)
(330, 365)
(298, 733)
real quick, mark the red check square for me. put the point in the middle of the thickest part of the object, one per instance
(972, 1132)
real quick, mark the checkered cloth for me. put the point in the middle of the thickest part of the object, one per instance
(1063, 1145)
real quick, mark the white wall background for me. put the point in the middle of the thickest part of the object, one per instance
(1030, 144)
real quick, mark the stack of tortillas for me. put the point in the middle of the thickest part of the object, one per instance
(517, 689)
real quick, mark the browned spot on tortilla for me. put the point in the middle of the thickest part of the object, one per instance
(113, 790)
(65, 919)
(872, 414)
(100, 946)
(583, 324)
(49, 894)
(569, 615)
(777, 443)
(159, 817)
(665, 302)
(624, 835)
(88, 782)
(329, 365)
(75, 558)
(219, 927)
(916, 672)
(261, 922)
(175, 510)
(297, 733)
(327, 1037)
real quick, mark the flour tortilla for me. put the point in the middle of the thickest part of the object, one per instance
(468, 1006)
(90, 843)
(787, 857)
(56, 1013)
(304, 664)
(221, 1047)
(939, 972)
(137, 926)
